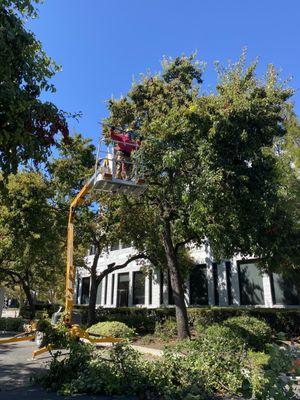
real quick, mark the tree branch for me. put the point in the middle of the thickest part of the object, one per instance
(113, 267)
(183, 243)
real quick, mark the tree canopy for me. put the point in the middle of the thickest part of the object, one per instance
(28, 125)
(211, 170)
(31, 250)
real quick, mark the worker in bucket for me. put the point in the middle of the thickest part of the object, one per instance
(124, 147)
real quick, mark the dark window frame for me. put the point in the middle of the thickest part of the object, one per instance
(202, 266)
(215, 271)
(105, 290)
(134, 275)
(112, 289)
(118, 287)
(161, 288)
(239, 263)
(150, 280)
(84, 279)
(228, 266)
(273, 292)
(115, 246)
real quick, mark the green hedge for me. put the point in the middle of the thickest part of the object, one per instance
(280, 320)
(40, 309)
(11, 324)
(144, 320)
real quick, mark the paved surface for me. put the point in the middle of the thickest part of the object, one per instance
(16, 368)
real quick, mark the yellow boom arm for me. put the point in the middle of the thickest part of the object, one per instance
(70, 271)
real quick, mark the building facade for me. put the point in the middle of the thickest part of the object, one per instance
(234, 282)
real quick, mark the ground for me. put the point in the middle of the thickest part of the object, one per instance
(16, 368)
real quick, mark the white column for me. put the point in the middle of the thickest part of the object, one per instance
(79, 290)
(130, 294)
(235, 286)
(146, 302)
(115, 291)
(103, 292)
(155, 290)
(267, 290)
(222, 284)
(210, 276)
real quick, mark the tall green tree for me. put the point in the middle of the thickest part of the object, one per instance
(210, 168)
(28, 125)
(30, 244)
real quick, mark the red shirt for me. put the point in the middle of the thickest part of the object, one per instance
(124, 142)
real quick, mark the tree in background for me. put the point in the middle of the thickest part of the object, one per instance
(210, 167)
(286, 252)
(31, 251)
(28, 125)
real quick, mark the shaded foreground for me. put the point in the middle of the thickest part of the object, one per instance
(16, 368)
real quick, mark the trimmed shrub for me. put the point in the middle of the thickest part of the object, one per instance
(280, 320)
(112, 328)
(144, 320)
(10, 324)
(255, 333)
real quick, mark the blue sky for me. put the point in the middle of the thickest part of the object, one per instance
(103, 44)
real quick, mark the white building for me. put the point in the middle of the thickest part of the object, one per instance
(232, 282)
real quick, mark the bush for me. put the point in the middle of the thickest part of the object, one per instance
(166, 329)
(214, 363)
(63, 371)
(125, 373)
(112, 328)
(11, 324)
(265, 370)
(280, 320)
(144, 320)
(255, 333)
(218, 355)
(41, 310)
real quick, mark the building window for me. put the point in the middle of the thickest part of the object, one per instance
(284, 290)
(105, 290)
(99, 294)
(161, 288)
(112, 288)
(126, 245)
(229, 282)
(198, 286)
(85, 290)
(115, 246)
(216, 282)
(92, 250)
(251, 283)
(123, 290)
(78, 300)
(138, 288)
(150, 279)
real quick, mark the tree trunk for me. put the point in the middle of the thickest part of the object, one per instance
(29, 298)
(176, 283)
(93, 290)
